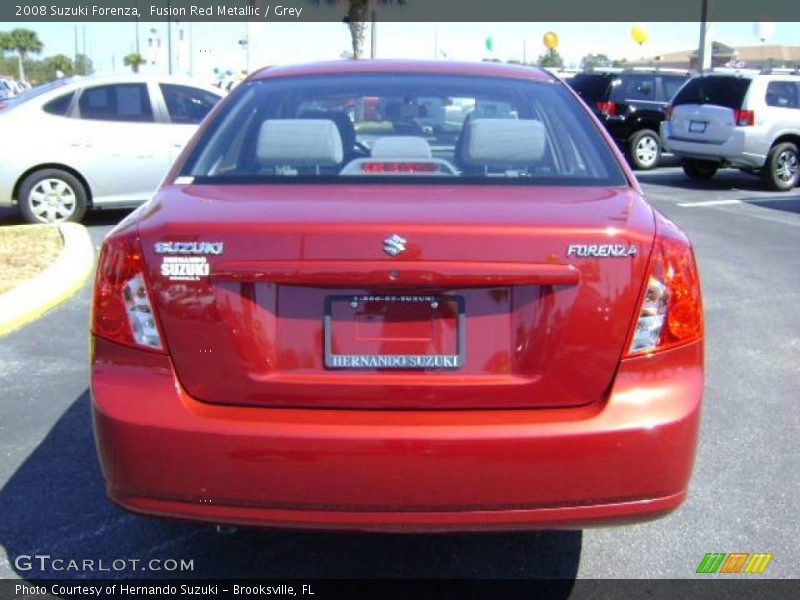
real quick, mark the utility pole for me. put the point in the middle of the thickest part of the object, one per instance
(705, 49)
(373, 46)
(191, 52)
(169, 38)
(85, 58)
(137, 28)
(75, 58)
(524, 51)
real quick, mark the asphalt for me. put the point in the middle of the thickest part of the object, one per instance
(744, 496)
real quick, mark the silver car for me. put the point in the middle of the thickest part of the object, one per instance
(95, 142)
(743, 119)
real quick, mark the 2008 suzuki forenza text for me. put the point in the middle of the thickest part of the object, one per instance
(389, 295)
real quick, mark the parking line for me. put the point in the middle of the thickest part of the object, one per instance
(709, 203)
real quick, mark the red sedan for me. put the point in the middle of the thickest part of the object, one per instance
(398, 320)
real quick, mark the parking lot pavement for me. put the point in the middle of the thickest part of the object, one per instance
(744, 495)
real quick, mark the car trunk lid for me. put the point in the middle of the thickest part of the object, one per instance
(504, 296)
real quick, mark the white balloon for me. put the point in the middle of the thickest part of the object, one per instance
(764, 30)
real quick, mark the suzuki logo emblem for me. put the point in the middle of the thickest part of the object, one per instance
(394, 245)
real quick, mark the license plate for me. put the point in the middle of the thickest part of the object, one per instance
(394, 331)
(697, 126)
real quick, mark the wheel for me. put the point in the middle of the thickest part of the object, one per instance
(644, 149)
(52, 196)
(782, 169)
(699, 170)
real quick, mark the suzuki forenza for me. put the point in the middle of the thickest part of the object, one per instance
(340, 312)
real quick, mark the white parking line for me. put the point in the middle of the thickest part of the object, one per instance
(734, 201)
(709, 203)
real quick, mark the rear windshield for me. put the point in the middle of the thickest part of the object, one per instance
(591, 87)
(420, 128)
(716, 89)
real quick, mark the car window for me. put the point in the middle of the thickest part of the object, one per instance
(670, 86)
(335, 128)
(60, 105)
(720, 90)
(116, 102)
(782, 94)
(633, 87)
(187, 104)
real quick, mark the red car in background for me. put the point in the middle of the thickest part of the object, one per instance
(323, 321)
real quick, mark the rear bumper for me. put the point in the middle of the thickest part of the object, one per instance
(625, 460)
(735, 151)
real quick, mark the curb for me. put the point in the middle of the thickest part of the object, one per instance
(58, 282)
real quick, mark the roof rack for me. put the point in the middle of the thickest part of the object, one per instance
(660, 69)
(781, 70)
(730, 71)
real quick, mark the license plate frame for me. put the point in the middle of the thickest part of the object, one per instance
(397, 362)
(698, 126)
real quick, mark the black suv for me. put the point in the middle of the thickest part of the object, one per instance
(631, 104)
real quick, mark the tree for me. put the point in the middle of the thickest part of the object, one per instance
(551, 59)
(83, 65)
(23, 42)
(356, 20)
(134, 60)
(60, 63)
(619, 62)
(594, 61)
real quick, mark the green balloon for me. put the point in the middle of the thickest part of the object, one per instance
(490, 44)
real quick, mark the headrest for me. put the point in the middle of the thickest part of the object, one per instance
(503, 142)
(401, 146)
(299, 142)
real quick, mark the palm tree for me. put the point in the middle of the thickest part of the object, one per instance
(60, 63)
(134, 60)
(23, 42)
(356, 20)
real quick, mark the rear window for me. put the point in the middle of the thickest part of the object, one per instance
(633, 87)
(591, 88)
(719, 90)
(418, 128)
(60, 105)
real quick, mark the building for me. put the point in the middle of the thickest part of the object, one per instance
(746, 57)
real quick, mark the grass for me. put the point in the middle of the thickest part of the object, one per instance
(26, 251)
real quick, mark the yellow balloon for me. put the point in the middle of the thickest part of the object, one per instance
(639, 34)
(550, 40)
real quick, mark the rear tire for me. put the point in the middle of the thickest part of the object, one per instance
(644, 150)
(52, 196)
(781, 172)
(699, 170)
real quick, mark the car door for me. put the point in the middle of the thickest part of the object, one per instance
(184, 107)
(116, 142)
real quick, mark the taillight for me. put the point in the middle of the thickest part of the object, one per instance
(671, 313)
(607, 108)
(744, 118)
(399, 167)
(668, 112)
(121, 307)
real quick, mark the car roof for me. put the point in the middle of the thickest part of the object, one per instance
(486, 69)
(79, 81)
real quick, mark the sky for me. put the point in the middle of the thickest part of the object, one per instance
(215, 45)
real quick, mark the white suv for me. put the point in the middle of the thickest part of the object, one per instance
(743, 119)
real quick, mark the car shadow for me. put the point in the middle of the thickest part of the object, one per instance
(784, 203)
(10, 215)
(724, 180)
(55, 504)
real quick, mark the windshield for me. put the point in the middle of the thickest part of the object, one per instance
(717, 90)
(419, 127)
